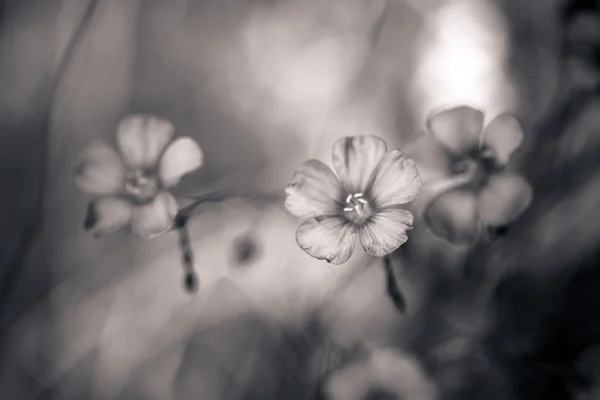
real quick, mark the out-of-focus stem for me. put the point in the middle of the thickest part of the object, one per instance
(393, 289)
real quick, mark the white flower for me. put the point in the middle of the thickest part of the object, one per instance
(365, 201)
(457, 147)
(131, 187)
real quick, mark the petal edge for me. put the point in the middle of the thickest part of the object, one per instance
(154, 218)
(454, 216)
(504, 199)
(355, 158)
(502, 136)
(107, 215)
(142, 139)
(396, 180)
(313, 190)
(327, 238)
(386, 231)
(459, 129)
(99, 170)
(182, 156)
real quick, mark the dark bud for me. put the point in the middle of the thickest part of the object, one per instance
(245, 249)
(191, 282)
(91, 217)
(180, 221)
(497, 232)
(188, 258)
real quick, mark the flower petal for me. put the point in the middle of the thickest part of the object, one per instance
(108, 214)
(328, 238)
(355, 158)
(503, 136)
(182, 156)
(156, 217)
(504, 198)
(396, 180)
(142, 138)
(458, 129)
(314, 190)
(386, 231)
(431, 157)
(454, 216)
(99, 170)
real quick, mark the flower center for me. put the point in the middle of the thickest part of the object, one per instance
(475, 169)
(141, 185)
(472, 171)
(357, 208)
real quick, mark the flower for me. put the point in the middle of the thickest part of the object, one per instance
(131, 187)
(468, 163)
(385, 372)
(364, 201)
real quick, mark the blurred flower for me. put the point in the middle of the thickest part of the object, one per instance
(131, 186)
(463, 165)
(365, 201)
(386, 373)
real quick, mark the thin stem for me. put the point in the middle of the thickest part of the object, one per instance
(216, 197)
(393, 289)
(191, 280)
(435, 187)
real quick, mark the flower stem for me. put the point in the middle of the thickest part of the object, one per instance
(191, 280)
(393, 289)
(436, 187)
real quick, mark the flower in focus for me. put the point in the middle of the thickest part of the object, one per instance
(466, 164)
(365, 201)
(131, 186)
(384, 374)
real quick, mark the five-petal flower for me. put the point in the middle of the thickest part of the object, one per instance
(457, 150)
(131, 187)
(365, 201)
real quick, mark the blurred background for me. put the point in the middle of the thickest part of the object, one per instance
(263, 85)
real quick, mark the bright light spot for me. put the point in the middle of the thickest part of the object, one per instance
(462, 58)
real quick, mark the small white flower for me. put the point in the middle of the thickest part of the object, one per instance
(365, 201)
(131, 187)
(458, 148)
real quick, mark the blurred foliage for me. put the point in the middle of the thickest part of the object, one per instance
(503, 330)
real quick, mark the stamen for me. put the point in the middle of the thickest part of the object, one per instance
(141, 186)
(358, 207)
